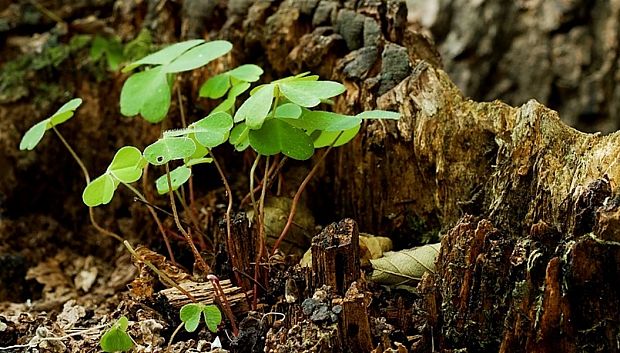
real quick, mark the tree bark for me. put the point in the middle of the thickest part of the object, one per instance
(562, 53)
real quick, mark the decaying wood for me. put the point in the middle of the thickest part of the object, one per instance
(204, 293)
(335, 256)
(354, 325)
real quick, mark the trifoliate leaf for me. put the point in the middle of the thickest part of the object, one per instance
(165, 150)
(165, 55)
(310, 93)
(255, 109)
(239, 137)
(246, 73)
(378, 114)
(33, 136)
(198, 56)
(288, 111)
(99, 191)
(277, 136)
(326, 138)
(213, 130)
(146, 93)
(116, 338)
(178, 177)
(213, 317)
(190, 315)
(215, 87)
(404, 267)
(127, 164)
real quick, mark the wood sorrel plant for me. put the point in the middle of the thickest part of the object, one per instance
(279, 117)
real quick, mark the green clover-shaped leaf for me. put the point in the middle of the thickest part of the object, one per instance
(310, 93)
(255, 109)
(326, 138)
(213, 317)
(190, 315)
(288, 111)
(167, 149)
(99, 191)
(215, 87)
(33, 136)
(165, 55)
(278, 136)
(239, 137)
(127, 164)
(116, 338)
(213, 130)
(246, 73)
(198, 56)
(178, 177)
(218, 85)
(146, 93)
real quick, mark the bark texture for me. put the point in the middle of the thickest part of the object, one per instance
(530, 255)
(562, 53)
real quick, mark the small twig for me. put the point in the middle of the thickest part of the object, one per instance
(188, 238)
(160, 226)
(291, 215)
(173, 335)
(250, 278)
(162, 276)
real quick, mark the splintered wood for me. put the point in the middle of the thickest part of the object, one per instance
(204, 293)
(335, 256)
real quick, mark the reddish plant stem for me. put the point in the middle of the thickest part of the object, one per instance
(229, 240)
(303, 185)
(219, 293)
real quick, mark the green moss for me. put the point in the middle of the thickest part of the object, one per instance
(16, 76)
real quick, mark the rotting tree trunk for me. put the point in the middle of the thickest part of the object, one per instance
(534, 265)
(534, 268)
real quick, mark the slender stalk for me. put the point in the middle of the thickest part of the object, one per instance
(276, 167)
(193, 220)
(252, 196)
(79, 161)
(174, 334)
(164, 277)
(188, 239)
(73, 154)
(261, 233)
(160, 226)
(229, 241)
(291, 215)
